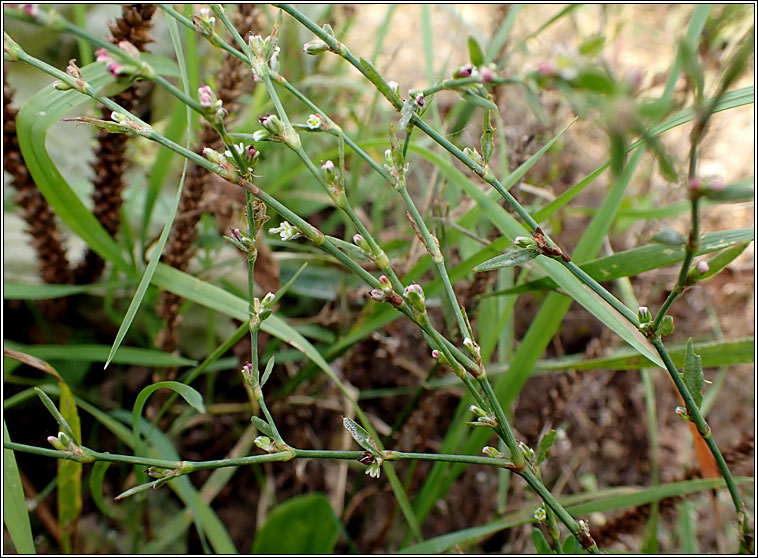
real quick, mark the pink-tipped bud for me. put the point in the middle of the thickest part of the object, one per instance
(129, 48)
(115, 69)
(695, 184)
(419, 100)
(487, 75)
(328, 167)
(31, 10)
(102, 56)
(236, 235)
(435, 354)
(545, 68)
(464, 71)
(702, 266)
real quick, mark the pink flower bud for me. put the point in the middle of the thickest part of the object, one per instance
(464, 71)
(103, 56)
(545, 68)
(702, 266)
(328, 167)
(695, 184)
(435, 354)
(420, 101)
(487, 75)
(115, 69)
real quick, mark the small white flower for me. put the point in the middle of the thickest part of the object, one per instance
(313, 122)
(286, 231)
(539, 514)
(240, 149)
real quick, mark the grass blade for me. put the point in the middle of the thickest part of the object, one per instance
(148, 274)
(15, 512)
(190, 395)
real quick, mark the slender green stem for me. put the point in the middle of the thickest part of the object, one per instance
(691, 248)
(559, 510)
(697, 418)
(507, 434)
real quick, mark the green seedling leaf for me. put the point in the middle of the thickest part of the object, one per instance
(475, 54)
(361, 436)
(693, 374)
(298, 526)
(267, 371)
(547, 441)
(511, 258)
(669, 237)
(540, 542)
(571, 546)
(16, 514)
(667, 326)
(592, 46)
(263, 426)
(190, 395)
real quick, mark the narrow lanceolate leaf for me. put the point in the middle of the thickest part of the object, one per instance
(670, 237)
(510, 258)
(693, 374)
(16, 514)
(540, 543)
(722, 259)
(360, 435)
(475, 55)
(267, 371)
(547, 441)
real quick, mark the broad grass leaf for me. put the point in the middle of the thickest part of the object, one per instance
(301, 525)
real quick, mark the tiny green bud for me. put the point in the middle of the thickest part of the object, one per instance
(361, 243)
(478, 411)
(272, 124)
(265, 443)
(474, 155)
(314, 47)
(528, 452)
(414, 294)
(524, 242)
(489, 451)
(682, 413)
(440, 357)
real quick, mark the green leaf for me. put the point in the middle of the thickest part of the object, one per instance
(34, 119)
(693, 374)
(15, 512)
(546, 442)
(713, 353)
(475, 54)
(60, 419)
(375, 77)
(301, 525)
(511, 258)
(686, 530)
(150, 270)
(592, 46)
(738, 192)
(670, 237)
(571, 545)
(263, 426)
(360, 435)
(722, 259)
(667, 326)
(190, 395)
(596, 80)
(96, 489)
(69, 475)
(98, 353)
(477, 100)
(267, 371)
(691, 66)
(577, 505)
(26, 291)
(540, 543)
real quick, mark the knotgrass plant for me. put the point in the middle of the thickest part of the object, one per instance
(593, 92)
